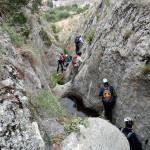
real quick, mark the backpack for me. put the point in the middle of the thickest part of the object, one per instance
(107, 95)
(62, 57)
(77, 41)
(74, 59)
(127, 135)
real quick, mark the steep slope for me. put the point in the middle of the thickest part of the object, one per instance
(24, 72)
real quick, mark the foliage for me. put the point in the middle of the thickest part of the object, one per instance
(62, 12)
(18, 18)
(44, 36)
(73, 125)
(18, 28)
(16, 38)
(81, 10)
(107, 2)
(89, 36)
(35, 6)
(57, 38)
(97, 15)
(50, 3)
(55, 28)
(56, 79)
(10, 6)
(55, 14)
(25, 29)
(146, 69)
(48, 103)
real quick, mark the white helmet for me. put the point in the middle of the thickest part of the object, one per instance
(128, 120)
(105, 80)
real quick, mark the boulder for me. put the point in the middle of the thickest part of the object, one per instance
(98, 135)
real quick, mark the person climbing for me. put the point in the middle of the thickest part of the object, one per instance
(108, 98)
(63, 58)
(66, 60)
(131, 136)
(60, 63)
(76, 61)
(78, 41)
(81, 42)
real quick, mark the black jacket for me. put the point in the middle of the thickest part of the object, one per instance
(133, 140)
(114, 95)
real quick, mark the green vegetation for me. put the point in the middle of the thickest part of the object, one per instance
(44, 36)
(50, 3)
(55, 28)
(47, 102)
(146, 69)
(35, 6)
(18, 28)
(62, 12)
(57, 38)
(73, 125)
(81, 10)
(89, 36)
(17, 38)
(17, 23)
(18, 18)
(107, 3)
(8, 7)
(56, 79)
(55, 15)
(98, 15)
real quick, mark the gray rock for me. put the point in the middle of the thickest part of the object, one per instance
(98, 135)
(7, 82)
(121, 38)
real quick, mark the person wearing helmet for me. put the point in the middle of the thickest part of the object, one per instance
(130, 135)
(76, 62)
(109, 96)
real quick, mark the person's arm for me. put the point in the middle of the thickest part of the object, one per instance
(81, 40)
(80, 59)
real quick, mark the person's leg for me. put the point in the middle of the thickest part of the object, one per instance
(109, 115)
(75, 71)
(108, 112)
(77, 48)
(61, 67)
(58, 67)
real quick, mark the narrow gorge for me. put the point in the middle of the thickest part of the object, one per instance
(33, 96)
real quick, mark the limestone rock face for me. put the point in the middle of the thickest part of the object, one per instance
(99, 134)
(17, 131)
(119, 51)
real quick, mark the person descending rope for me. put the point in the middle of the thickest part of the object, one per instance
(60, 63)
(108, 98)
(76, 61)
(130, 135)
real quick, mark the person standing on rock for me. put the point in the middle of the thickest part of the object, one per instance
(108, 98)
(76, 62)
(131, 136)
(60, 63)
(78, 42)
